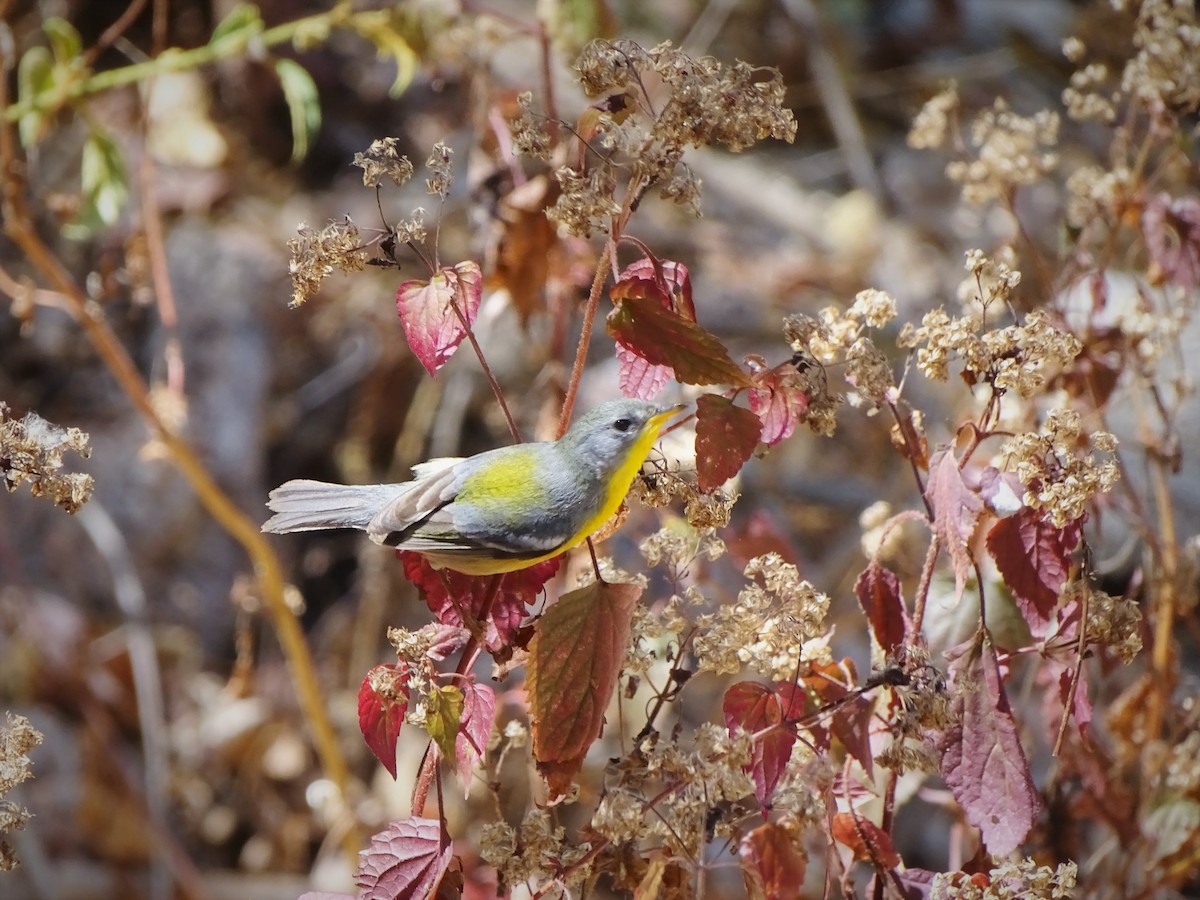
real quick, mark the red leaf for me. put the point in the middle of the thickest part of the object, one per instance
(1177, 253)
(639, 378)
(665, 338)
(575, 656)
(773, 865)
(426, 310)
(382, 703)
(865, 839)
(405, 861)
(983, 762)
(850, 720)
(450, 595)
(1055, 678)
(479, 711)
(1035, 559)
(726, 436)
(668, 280)
(779, 400)
(752, 707)
(956, 510)
(878, 592)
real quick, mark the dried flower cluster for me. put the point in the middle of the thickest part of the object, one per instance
(16, 740)
(31, 449)
(777, 622)
(644, 131)
(688, 781)
(1060, 479)
(537, 851)
(1113, 622)
(1010, 150)
(315, 255)
(1022, 880)
(835, 336)
(1018, 358)
(383, 160)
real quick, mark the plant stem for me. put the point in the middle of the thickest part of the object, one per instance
(176, 60)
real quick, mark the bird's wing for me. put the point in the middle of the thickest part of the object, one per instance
(424, 498)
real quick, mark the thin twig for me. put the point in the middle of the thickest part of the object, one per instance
(585, 337)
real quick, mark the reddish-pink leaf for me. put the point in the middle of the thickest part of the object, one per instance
(878, 592)
(850, 720)
(665, 338)
(752, 707)
(726, 436)
(668, 280)
(479, 711)
(1171, 228)
(382, 703)
(778, 399)
(801, 710)
(406, 861)
(427, 312)
(639, 378)
(956, 510)
(574, 659)
(983, 762)
(865, 839)
(450, 595)
(1055, 678)
(1035, 559)
(773, 865)
(447, 639)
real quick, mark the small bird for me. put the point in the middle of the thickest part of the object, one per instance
(496, 511)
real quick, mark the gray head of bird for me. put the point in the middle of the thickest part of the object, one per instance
(604, 436)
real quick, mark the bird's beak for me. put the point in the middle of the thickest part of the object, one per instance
(660, 419)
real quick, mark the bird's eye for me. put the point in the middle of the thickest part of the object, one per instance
(623, 425)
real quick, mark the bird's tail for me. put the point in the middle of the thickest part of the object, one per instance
(303, 505)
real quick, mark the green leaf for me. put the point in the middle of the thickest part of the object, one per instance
(243, 22)
(443, 716)
(35, 77)
(65, 41)
(304, 104)
(102, 183)
(381, 31)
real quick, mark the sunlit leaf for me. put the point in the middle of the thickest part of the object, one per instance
(665, 338)
(479, 712)
(65, 42)
(382, 703)
(779, 400)
(406, 861)
(443, 717)
(103, 185)
(878, 592)
(427, 312)
(574, 658)
(773, 864)
(35, 78)
(241, 23)
(753, 708)
(450, 595)
(866, 840)
(303, 102)
(726, 436)
(983, 762)
(1034, 558)
(380, 29)
(956, 510)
